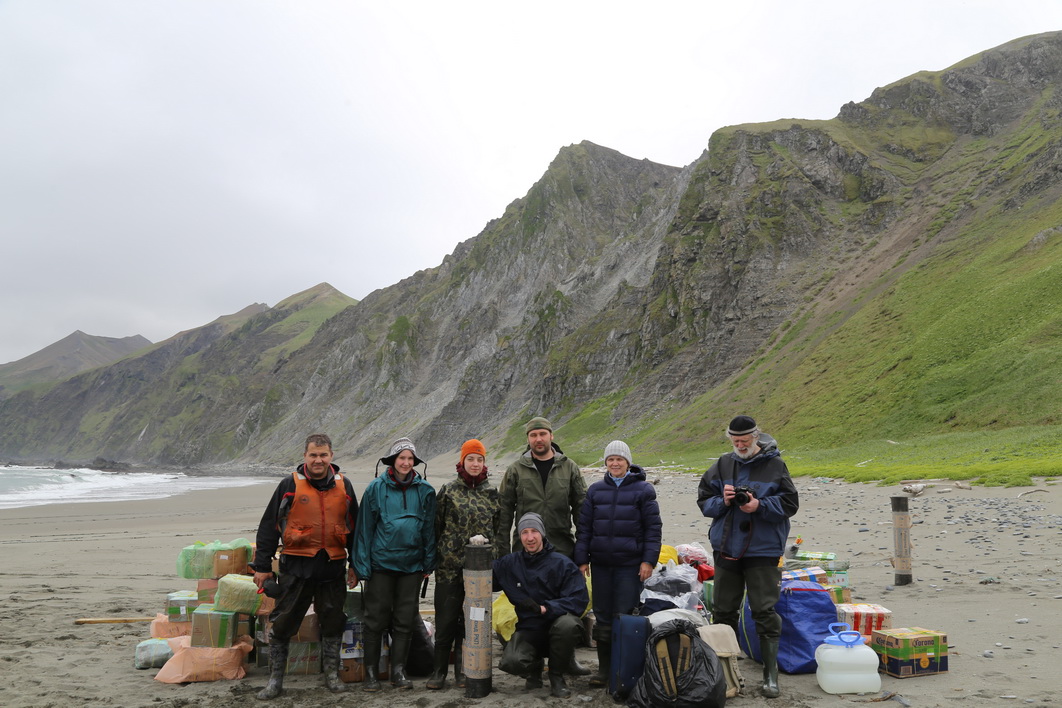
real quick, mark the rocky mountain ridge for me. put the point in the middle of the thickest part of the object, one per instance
(789, 270)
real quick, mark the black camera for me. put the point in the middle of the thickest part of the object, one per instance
(743, 495)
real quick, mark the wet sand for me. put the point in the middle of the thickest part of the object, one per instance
(987, 566)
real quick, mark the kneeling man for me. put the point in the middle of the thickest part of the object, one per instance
(550, 595)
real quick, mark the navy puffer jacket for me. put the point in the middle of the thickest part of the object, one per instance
(619, 525)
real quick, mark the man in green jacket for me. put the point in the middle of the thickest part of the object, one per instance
(547, 482)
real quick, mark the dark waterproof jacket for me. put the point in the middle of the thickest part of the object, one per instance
(763, 533)
(619, 525)
(396, 528)
(272, 525)
(546, 578)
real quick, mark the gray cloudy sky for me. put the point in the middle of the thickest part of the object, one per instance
(163, 163)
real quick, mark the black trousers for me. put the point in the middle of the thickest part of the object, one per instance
(761, 579)
(296, 594)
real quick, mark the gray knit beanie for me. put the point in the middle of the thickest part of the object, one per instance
(531, 520)
(618, 447)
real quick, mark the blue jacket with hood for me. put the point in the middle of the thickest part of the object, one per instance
(546, 578)
(762, 533)
(396, 527)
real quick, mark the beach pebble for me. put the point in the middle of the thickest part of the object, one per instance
(1023, 620)
(988, 654)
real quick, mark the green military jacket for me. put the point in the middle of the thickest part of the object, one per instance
(558, 503)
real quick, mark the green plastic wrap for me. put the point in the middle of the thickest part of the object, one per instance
(213, 560)
(237, 593)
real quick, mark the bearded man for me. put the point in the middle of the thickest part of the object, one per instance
(750, 498)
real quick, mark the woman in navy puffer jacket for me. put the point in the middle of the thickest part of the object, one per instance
(617, 544)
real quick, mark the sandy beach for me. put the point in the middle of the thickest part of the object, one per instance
(987, 565)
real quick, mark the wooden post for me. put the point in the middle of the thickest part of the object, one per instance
(901, 535)
(479, 631)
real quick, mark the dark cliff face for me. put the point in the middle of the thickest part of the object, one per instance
(616, 294)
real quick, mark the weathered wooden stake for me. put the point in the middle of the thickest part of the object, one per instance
(901, 535)
(479, 632)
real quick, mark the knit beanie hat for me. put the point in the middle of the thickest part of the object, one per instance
(473, 446)
(538, 423)
(742, 425)
(618, 447)
(531, 520)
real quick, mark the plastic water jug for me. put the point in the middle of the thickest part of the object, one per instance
(846, 664)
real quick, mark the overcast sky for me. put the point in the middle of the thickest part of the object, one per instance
(163, 163)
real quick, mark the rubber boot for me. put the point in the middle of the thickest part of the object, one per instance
(557, 687)
(604, 661)
(399, 653)
(330, 664)
(459, 666)
(577, 669)
(439, 666)
(278, 662)
(534, 676)
(371, 642)
(769, 650)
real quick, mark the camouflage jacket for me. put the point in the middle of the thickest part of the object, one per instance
(463, 512)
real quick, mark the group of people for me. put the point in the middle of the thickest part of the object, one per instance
(404, 530)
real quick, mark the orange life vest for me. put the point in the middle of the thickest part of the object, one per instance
(317, 520)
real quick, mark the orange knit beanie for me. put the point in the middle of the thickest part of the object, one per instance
(471, 446)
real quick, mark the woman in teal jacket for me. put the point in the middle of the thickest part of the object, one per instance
(394, 547)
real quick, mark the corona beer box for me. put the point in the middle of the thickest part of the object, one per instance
(864, 617)
(911, 651)
(814, 574)
(815, 556)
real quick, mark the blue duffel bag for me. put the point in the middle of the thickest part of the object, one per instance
(807, 611)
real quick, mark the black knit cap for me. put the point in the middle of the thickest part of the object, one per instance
(742, 425)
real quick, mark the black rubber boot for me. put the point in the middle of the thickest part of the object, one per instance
(330, 664)
(534, 676)
(439, 666)
(557, 687)
(459, 666)
(577, 669)
(769, 650)
(371, 642)
(604, 661)
(278, 662)
(399, 653)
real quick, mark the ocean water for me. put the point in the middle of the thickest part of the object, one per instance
(33, 486)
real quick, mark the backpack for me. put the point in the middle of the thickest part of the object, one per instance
(723, 641)
(681, 671)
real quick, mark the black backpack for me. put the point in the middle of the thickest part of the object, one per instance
(681, 670)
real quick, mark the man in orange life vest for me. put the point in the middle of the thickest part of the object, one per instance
(313, 512)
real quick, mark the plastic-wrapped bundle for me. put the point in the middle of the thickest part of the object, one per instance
(212, 560)
(190, 663)
(681, 671)
(237, 593)
(152, 654)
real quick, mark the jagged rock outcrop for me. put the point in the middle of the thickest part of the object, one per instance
(790, 266)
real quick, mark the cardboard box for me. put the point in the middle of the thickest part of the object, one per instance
(304, 658)
(911, 651)
(839, 593)
(352, 646)
(309, 630)
(814, 556)
(213, 560)
(864, 617)
(813, 574)
(837, 577)
(211, 628)
(238, 593)
(206, 588)
(353, 670)
(180, 605)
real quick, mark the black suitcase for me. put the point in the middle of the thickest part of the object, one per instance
(629, 634)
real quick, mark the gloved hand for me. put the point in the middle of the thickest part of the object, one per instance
(529, 605)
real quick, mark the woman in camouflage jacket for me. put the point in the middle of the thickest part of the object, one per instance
(466, 507)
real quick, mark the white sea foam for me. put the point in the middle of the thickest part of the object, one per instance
(32, 486)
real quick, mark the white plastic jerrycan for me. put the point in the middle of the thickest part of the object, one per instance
(846, 664)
